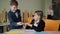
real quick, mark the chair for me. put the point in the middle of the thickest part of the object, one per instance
(25, 16)
(51, 25)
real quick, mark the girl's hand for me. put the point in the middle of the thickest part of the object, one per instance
(29, 24)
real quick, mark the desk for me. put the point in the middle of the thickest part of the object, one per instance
(23, 31)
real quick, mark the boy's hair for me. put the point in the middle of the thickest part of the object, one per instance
(39, 13)
(14, 2)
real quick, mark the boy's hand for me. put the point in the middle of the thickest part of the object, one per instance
(19, 23)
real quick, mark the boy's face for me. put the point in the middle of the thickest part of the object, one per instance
(36, 17)
(13, 8)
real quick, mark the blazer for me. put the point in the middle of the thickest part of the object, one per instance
(13, 19)
(39, 28)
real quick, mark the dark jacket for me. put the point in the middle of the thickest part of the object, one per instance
(13, 19)
(40, 26)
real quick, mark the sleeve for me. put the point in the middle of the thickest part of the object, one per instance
(28, 27)
(12, 22)
(41, 26)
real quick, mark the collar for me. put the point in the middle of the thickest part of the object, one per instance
(13, 11)
(37, 21)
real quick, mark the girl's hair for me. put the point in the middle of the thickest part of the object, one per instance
(39, 13)
(14, 2)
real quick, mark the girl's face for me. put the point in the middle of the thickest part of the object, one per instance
(36, 17)
(13, 8)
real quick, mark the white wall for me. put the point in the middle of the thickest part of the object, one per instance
(23, 4)
(27, 5)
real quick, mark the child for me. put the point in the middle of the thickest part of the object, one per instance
(37, 23)
(14, 15)
(50, 13)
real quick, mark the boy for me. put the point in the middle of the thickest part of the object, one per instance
(14, 15)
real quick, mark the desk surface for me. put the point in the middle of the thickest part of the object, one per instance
(23, 31)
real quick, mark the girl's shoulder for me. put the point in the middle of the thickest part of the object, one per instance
(42, 21)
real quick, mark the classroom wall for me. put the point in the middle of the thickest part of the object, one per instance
(27, 5)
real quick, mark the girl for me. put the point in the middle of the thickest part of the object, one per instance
(37, 23)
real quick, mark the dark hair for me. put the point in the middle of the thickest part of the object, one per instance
(14, 2)
(39, 13)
